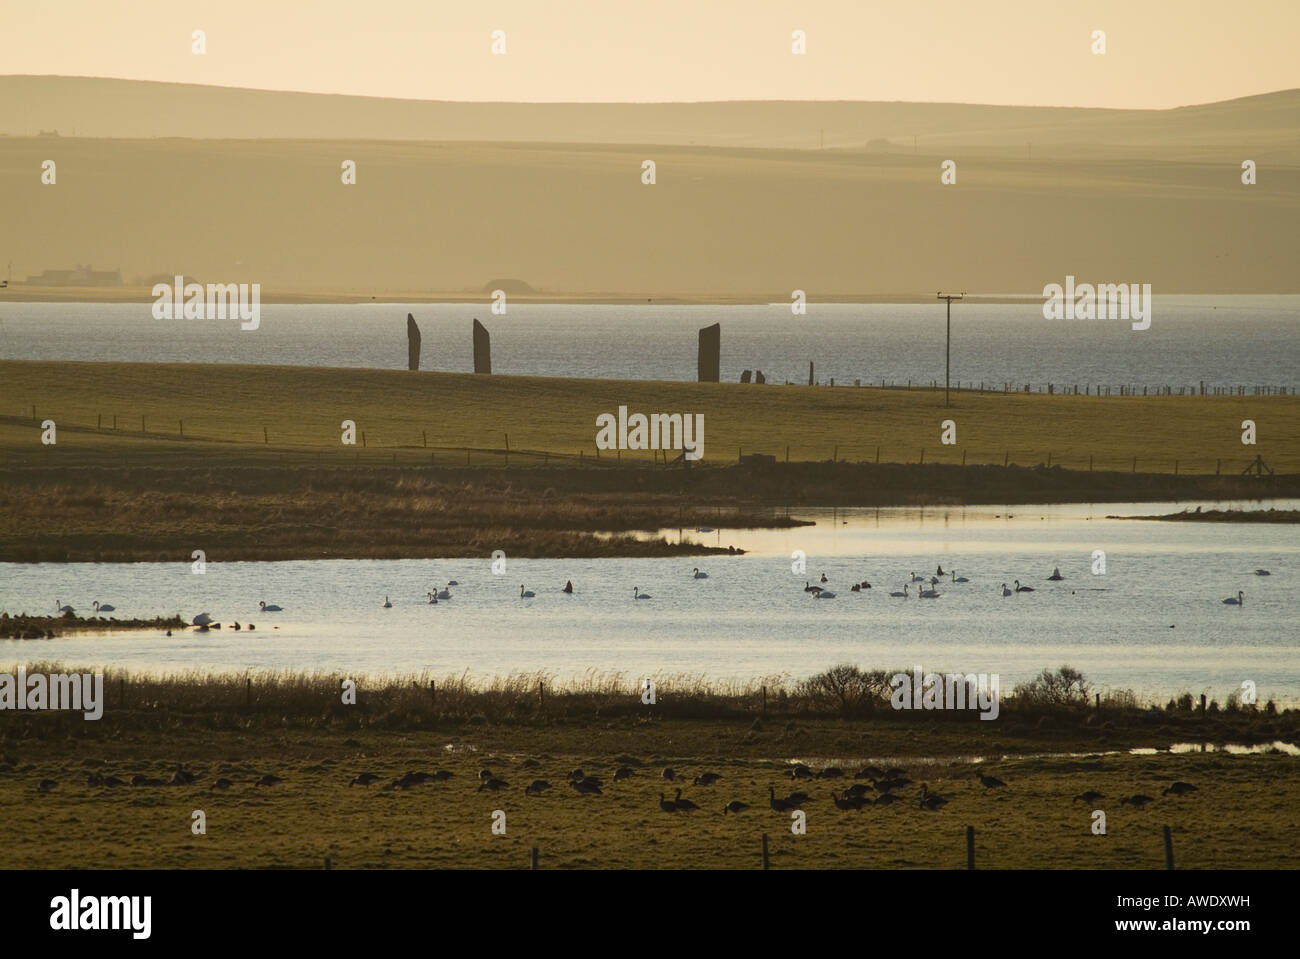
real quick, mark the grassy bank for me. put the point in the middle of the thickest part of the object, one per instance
(294, 728)
(1225, 516)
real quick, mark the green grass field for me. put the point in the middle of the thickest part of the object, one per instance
(261, 415)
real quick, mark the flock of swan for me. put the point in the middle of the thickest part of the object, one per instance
(925, 589)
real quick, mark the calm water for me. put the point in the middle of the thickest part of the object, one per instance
(1153, 623)
(1224, 340)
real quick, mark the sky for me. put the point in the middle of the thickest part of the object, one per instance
(1159, 53)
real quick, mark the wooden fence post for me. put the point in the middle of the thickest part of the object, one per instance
(970, 847)
(1169, 849)
(765, 859)
(532, 860)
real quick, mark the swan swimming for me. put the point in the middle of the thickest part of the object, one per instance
(903, 594)
(958, 579)
(64, 609)
(1238, 600)
(1262, 572)
(823, 594)
(433, 599)
(1005, 591)
(637, 594)
(917, 579)
(387, 604)
(443, 593)
(104, 607)
(525, 594)
(203, 619)
(452, 582)
(270, 609)
(699, 575)
(1023, 589)
(929, 594)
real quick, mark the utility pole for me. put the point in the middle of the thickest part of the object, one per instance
(947, 353)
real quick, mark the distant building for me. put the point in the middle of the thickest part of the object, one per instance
(81, 276)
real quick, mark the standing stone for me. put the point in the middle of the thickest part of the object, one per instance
(759, 377)
(412, 343)
(482, 349)
(710, 356)
(810, 372)
(745, 376)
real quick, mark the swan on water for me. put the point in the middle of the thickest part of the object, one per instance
(452, 582)
(203, 619)
(444, 593)
(525, 594)
(1005, 591)
(1262, 572)
(958, 579)
(104, 607)
(1238, 600)
(917, 579)
(929, 594)
(64, 609)
(637, 594)
(823, 594)
(270, 609)
(902, 595)
(387, 604)
(1023, 589)
(699, 575)
(433, 599)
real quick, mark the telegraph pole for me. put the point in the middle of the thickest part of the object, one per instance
(947, 353)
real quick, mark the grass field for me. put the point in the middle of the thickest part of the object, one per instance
(1242, 814)
(240, 414)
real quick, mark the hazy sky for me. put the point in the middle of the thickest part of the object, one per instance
(1160, 53)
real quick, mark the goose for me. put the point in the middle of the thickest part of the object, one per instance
(444, 593)
(809, 588)
(1262, 572)
(270, 609)
(269, 780)
(1139, 800)
(886, 799)
(1238, 600)
(931, 801)
(796, 799)
(958, 579)
(104, 607)
(670, 774)
(536, 787)
(857, 790)
(637, 594)
(366, 779)
(45, 785)
(685, 805)
(203, 619)
(568, 587)
(1023, 589)
(586, 787)
(1056, 575)
(699, 575)
(824, 579)
(1179, 788)
(492, 784)
(623, 772)
(525, 593)
(222, 783)
(485, 774)
(869, 772)
(183, 777)
(778, 805)
(799, 771)
(1090, 796)
(387, 603)
(667, 805)
(823, 594)
(1005, 591)
(734, 806)
(846, 804)
(989, 782)
(830, 772)
(706, 779)
(902, 595)
(442, 774)
(141, 780)
(855, 588)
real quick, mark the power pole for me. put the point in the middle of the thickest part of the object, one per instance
(947, 353)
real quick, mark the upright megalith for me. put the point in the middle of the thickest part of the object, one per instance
(482, 349)
(412, 343)
(810, 372)
(710, 358)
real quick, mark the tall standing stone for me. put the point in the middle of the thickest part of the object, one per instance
(482, 349)
(710, 357)
(810, 372)
(412, 343)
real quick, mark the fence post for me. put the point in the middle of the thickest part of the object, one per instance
(764, 709)
(532, 860)
(541, 694)
(433, 692)
(970, 847)
(765, 859)
(1169, 849)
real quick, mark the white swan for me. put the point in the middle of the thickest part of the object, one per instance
(699, 575)
(1023, 589)
(387, 604)
(525, 594)
(1005, 591)
(203, 619)
(64, 609)
(823, 594)
(903, 594)
(958, 579)
(104, 607)
(433, 599)
(1238, 600)
(929, 594)
(637, 594)
(443, 593)
(270, 609)
(917, 579)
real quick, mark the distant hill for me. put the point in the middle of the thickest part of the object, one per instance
(97, 107)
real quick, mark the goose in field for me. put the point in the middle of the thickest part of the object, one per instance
(931, 801)
(869, 772)
(366, 779)
(104, 607)
(989, 782)
(778, 805)
(670, 774)
(485, 774)
(796, 799)
(734, 806)
(887, 799)
(387, 603)
(222, 783)
(902, 595)
(637, 594)
(525, 593)
(269, 780)
(492, 784)
(1056, 575)
(699, 575)
(1090, 796)
(183, 777)
(1005, 591)
(270, 609)
(847, 803)
(536, 787)
(568, 587)
(857, 789)
(685, 805)
(203, 619)
(667, 805)
(1139, 800)
(45, 785)
(623, 772)
(1023, 589)
(958, 579)
(1262, 572)
(1179, 788)
(1238, 600)
(799, 771)
(831, 772)
(586, 787)
(706, 779)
